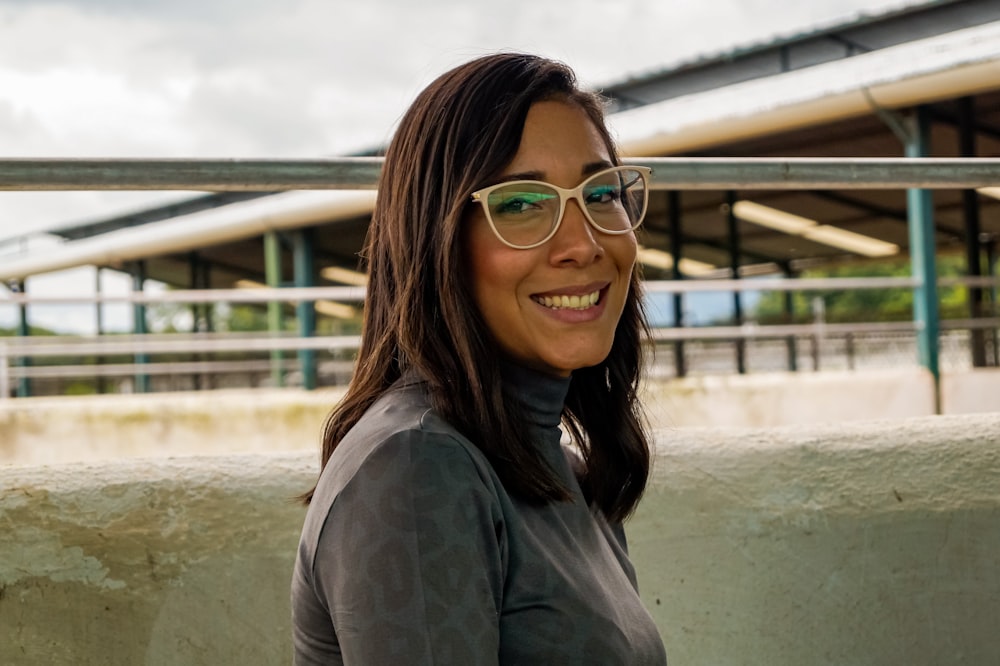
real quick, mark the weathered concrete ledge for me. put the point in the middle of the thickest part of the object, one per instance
(157, 561)
(63, 429)
(864, 543)
(52, 430)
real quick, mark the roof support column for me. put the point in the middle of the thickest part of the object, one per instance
(272, 272)
(734, 266)
(791, 345)
(970, 207)
(201, 313)
(200, 274)
(139, 324)
(305, 276)
(991, 271)
(920, 216)
(676, 250)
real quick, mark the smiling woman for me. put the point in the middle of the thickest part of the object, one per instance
(554, 303)
(449, 523)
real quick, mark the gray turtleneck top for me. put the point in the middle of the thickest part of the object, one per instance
(413, 552)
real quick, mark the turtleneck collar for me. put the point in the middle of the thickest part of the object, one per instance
(541, 395)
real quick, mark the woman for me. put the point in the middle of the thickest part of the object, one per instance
(449, 526)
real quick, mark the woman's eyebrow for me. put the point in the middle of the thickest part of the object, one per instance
(524, 175)
(588, 169)
(594, 167)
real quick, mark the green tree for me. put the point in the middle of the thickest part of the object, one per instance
(857, 305)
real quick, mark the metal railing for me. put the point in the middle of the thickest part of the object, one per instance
(362, 173)
(14, 351)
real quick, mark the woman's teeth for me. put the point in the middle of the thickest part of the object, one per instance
(572, 302)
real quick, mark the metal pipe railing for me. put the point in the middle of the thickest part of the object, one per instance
(361, 173)
(254, 295)
(357, 294)
(128, 345)
(233, 175)
(109, 345)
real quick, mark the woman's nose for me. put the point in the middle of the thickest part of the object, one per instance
(576, 241)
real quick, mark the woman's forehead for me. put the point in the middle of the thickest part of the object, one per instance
(558, 139)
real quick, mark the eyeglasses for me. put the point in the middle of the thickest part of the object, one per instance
(526, 213)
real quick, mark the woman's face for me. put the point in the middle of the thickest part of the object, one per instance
(520, 292)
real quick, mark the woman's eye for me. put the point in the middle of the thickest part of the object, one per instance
(604, 194)
(511, 206)
(523, 202)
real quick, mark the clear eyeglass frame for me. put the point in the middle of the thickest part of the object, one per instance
(482, 196)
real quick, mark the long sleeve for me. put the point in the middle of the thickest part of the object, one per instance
(409, 563)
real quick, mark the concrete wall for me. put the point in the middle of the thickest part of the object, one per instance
(50, 430)
(775, 399)
(970, 391)
(90, 428)
(156, 562)
(860, 543)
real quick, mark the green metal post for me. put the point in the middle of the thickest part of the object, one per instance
(23, 330)
(920, 214)
(139, 325)
(305, 276)
(272, 272)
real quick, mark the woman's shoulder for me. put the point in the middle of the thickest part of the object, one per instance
(401, 440)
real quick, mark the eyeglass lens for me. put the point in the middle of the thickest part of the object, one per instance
(525, 213)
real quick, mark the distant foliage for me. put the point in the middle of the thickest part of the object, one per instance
(32, 330)
(865, 305)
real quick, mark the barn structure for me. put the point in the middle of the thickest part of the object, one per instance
(922, 81)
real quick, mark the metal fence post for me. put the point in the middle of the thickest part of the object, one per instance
(735, 252)
(4, 373)
(305, 276)
(23, 331)
(920, 215)
(676, 249)
(139, 324)
(272, 272)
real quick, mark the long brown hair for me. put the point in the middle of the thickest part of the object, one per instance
(457, 136)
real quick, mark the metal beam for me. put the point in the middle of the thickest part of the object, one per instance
(361, 173)
(987, 130)
(881, 211)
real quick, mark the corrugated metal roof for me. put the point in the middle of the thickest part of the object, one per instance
(861, 33)
(956, 63)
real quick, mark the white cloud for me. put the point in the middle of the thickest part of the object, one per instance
(304, 78)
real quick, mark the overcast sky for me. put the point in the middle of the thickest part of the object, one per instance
(300, 78)
(306, 78)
